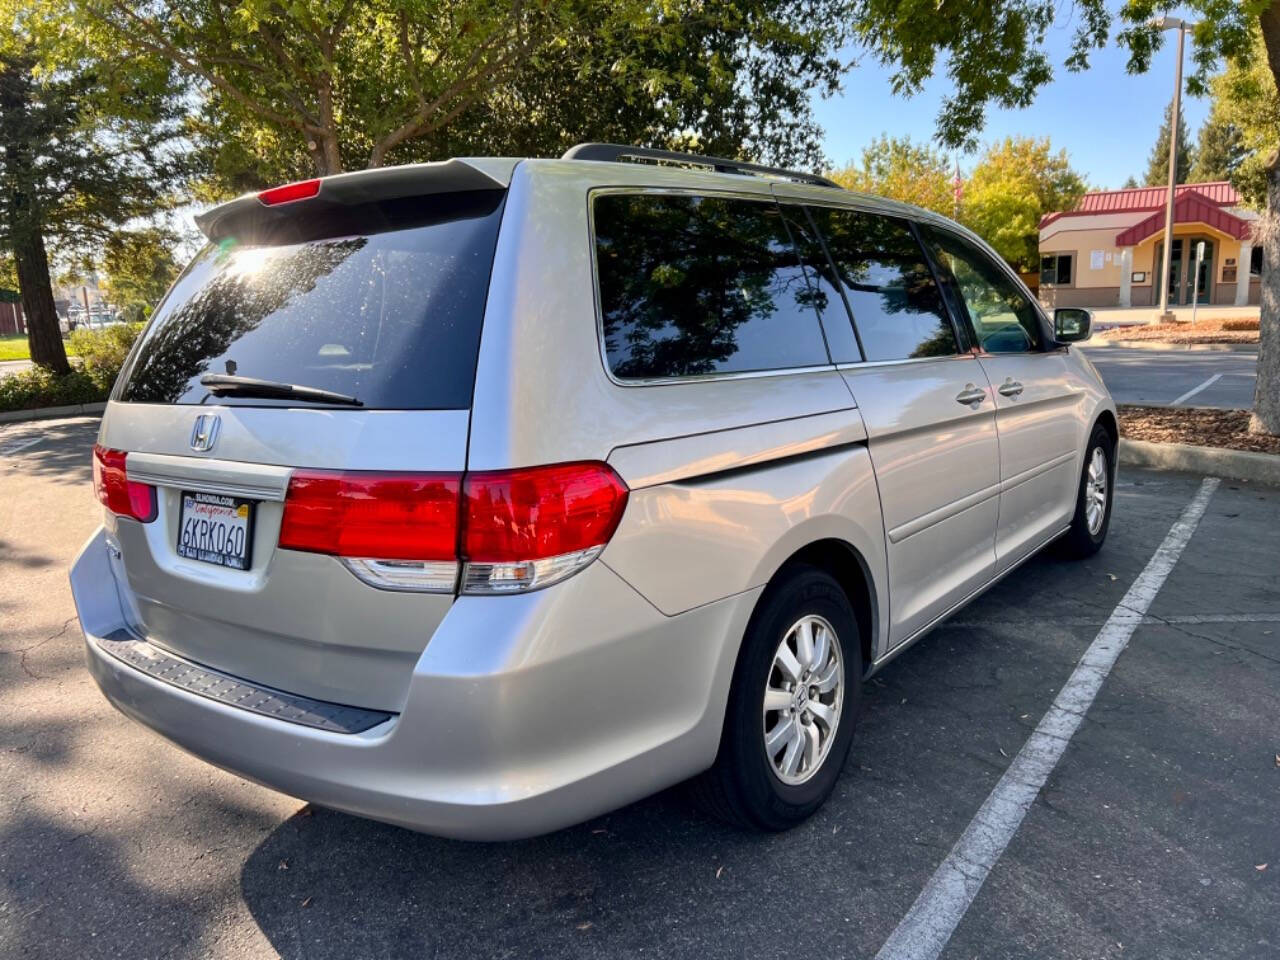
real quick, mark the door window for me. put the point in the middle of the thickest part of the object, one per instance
(897, 309)
(1003, 318)
(694, 285)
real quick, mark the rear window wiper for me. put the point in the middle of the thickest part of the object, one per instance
(226, 384)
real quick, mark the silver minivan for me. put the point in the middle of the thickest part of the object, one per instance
(485, 496)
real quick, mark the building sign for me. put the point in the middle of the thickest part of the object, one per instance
(1095, 259)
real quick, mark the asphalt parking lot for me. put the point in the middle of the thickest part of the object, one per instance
(1200, 378)
(1155, 834)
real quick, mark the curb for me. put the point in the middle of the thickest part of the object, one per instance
(50, 413)
(1216, 461)
(1168, 345)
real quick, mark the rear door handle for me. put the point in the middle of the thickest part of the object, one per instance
(971, 395)
(1010, 388)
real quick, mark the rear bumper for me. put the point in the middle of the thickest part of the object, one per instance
(525, 713)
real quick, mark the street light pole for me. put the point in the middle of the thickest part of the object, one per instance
(1171, 23)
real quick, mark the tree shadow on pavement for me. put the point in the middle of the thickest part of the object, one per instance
(48, 910)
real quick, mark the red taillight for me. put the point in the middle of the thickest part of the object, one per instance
(389, 516)
(117, 492)
(301, 190)
(513, 529)
(538, 512)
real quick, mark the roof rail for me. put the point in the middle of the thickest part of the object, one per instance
(617, 153)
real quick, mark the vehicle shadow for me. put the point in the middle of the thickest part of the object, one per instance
(657, 878)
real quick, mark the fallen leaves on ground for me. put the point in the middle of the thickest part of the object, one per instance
(1199, 426)
(1209, 330)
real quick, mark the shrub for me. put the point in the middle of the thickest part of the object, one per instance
(103, 351)
(1240, 323)
(39, 387)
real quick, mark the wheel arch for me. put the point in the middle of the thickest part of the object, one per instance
(846, 564)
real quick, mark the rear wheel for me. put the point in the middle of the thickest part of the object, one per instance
(1093, 500)
(792, 709)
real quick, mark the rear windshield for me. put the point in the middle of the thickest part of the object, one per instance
(390, 316)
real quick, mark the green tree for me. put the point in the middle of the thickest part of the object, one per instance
(332, 85)
(994, 51)
(1219, 149)
(139, 266)
(1245, 98)
(900, 169)
(1015, 182)
(81, 144)
(1158, 162)
(1130, 184)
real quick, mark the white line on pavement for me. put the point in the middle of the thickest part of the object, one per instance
(12, 448)
(928, 925)
(1194, 390)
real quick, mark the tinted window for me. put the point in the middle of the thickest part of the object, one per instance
(896, 306)
(841, 343)
(1004, 320)
(392, 318)
(698, 285)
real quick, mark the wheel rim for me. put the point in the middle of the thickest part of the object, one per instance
(1095, 491)
(803, 698)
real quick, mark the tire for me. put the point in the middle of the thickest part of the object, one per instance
(745, 787)
(1084, 538)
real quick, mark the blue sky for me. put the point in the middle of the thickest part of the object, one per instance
(1105, 118)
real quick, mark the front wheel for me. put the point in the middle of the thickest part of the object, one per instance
(1093, 500)
(796, 692)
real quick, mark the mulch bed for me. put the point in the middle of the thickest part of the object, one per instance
(1195, 425)
(1202, 331)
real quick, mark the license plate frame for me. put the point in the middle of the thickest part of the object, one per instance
(201, 544)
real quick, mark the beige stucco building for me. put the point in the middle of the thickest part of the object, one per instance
(1108, 251)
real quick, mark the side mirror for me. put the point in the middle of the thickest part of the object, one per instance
(1071, 324)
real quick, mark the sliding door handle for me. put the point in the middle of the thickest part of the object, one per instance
(971, 395)
(1010, 388)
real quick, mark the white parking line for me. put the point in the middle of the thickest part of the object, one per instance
(1190, 619)
(12, 448)
(928, 925)
(1193, 391)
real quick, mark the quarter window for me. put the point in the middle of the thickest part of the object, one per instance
(701, 285)
(897, 309)
(1004, 320)
(1056, 269)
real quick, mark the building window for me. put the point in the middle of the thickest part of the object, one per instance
(1056, 268)
(1255, 261)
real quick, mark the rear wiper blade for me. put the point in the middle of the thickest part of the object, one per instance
(226, 384)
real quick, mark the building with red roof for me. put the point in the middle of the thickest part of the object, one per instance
(1108, 251)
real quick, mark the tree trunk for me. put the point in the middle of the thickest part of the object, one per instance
(1266, 397)
(43, 335)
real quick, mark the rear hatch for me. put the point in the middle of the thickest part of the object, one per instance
(323, 344)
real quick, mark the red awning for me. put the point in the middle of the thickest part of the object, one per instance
(1190, 207)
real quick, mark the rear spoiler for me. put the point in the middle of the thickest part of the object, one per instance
(256, 213)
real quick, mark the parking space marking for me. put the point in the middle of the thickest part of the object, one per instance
(12, 448)
(924, 931)
(1194, 390)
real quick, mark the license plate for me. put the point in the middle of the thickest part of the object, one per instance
(216, 529)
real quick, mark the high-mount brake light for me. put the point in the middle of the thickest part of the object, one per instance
(289, 192)
(505, 531)
(119, 494)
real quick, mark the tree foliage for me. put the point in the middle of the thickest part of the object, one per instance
(901, 169)
(332, 85)
(1158, 161)
(1245, 100)
(84, 139)
(139, 265)
(1219, 148)
(1015, 182)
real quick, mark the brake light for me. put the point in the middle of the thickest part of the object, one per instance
(301, 190)
(119, 494)
(510, 530)
(390, 516)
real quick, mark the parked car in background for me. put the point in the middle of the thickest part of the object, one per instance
(485, 496)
